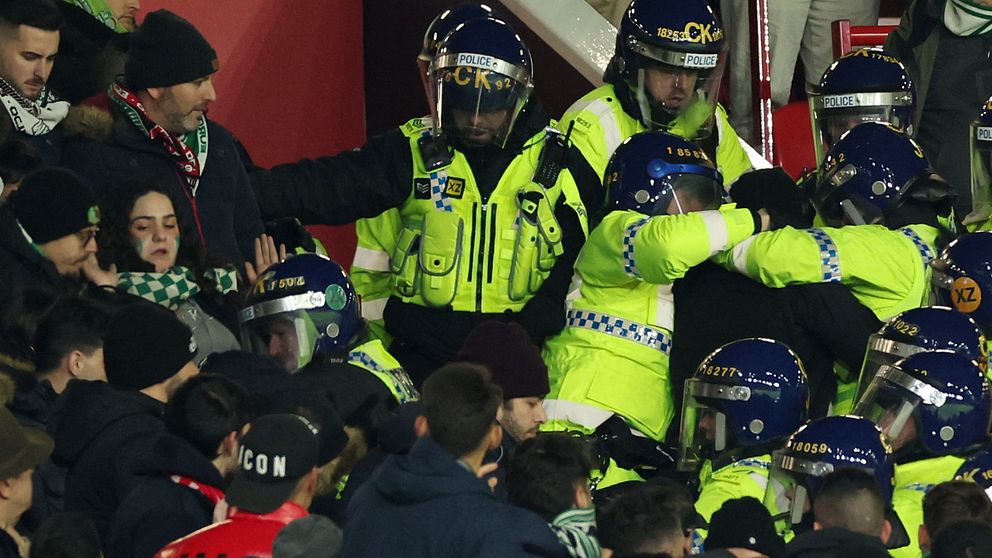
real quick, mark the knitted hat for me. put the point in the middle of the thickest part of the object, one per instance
(52, 203)
(167, 50)
(145, 344)
(313, 536)
(745, 523)
(514, 362)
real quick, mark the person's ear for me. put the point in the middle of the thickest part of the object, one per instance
(581, 498)
(420, 426)
(817, 526)
(229, 445)
(924, 537)
(74, 362)
(495, 436)
(886, 531)
(156, 93)
(6, 489)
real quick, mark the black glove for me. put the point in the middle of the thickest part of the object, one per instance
(290, 232)
(774, 191)
(644, 455)
(541, 317)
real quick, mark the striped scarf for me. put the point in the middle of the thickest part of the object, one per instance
(576, 529)
(175, 285)
(967, 18)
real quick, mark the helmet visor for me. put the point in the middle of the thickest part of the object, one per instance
(478, 98)
(788, 493)
(703, 430)
(834, 114)
(881, 352)
(981, 173)
(676, 91)
(289, 338)
(836, 207)
(890, 401)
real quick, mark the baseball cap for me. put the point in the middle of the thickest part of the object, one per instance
(275, 454)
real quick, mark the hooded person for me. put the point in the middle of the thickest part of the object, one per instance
(103, 431)
(158, 125)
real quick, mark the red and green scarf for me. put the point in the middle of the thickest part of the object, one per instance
(189, 152)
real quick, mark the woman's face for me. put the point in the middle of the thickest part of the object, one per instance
(154, 230)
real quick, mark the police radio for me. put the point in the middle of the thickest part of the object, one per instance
(552, 156)
(434, 151)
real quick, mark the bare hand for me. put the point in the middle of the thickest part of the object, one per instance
(98, 276)
(266, 256)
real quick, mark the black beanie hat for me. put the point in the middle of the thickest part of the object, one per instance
(513, 360)
(52, 203)
(167, 50)
(145, 344)
(745, 523)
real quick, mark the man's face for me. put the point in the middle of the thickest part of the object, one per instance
(670, 87)
(523, 416)
(17, 491)
(479, 129)
(27, 55)
(124, 12)
(178, 108)
(707, 424)
(71, 251)
(283, 343)
(904, 437)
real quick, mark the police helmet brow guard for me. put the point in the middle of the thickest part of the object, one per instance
(962, 277)
(980, 150)
(865, 85)
(923, 329)
(482, 78)
(300, 308)
(978, 469)
(819, 448)
(937, 402)
(872, 171)
(681, 43)
(649, 168)
(438, 30)
(746, 393)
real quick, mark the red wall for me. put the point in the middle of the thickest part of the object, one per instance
(291, 80)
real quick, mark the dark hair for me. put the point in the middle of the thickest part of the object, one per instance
(963, 539)
(205, 409)
(19, 321)
(17, 159)
(952, 501)
(66, 535)
(460, 403)
(42, 14)
(850, 499)
(544, 471)
(72, 324)
(636, 523)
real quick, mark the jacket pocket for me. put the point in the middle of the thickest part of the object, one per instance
(440, 257)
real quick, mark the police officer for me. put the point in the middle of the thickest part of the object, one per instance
(304, 313)
(877, 179)
(664, 198)
(817, 449)
(865, 85)
(962, 277)
(917, 330)
(743, 401)
(491, 215)
(377, 235)
(935, 407)
(665, 75)
(980, 149)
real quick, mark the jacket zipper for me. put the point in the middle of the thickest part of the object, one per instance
(482, 256)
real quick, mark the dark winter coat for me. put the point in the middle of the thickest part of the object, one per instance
(223, 212)
(159, 511)
(428, 504)
(101, 435)
(90, 55)
(826, 543)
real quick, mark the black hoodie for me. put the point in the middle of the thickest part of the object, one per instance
(158, 510)
(101, 435)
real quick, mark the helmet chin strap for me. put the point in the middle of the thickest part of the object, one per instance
(852, 213)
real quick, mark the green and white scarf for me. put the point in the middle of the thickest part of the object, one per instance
(967, 18)
(34, 118)
(576, 529)
(175, 285)
(99, 9)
